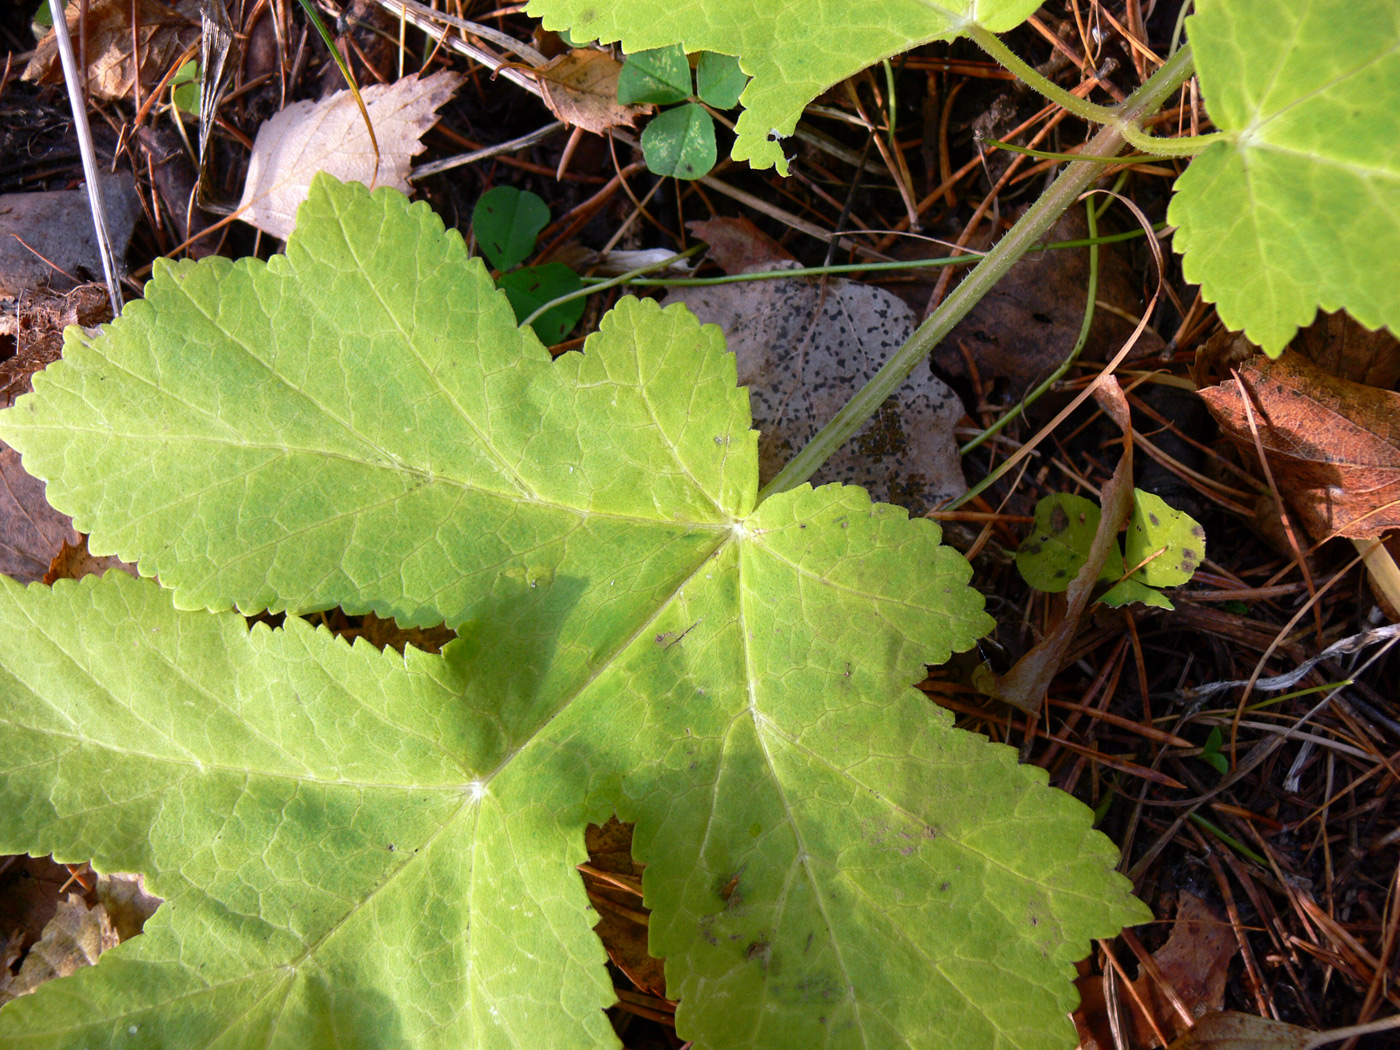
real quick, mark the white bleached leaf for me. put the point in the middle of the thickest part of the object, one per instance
(330, 135)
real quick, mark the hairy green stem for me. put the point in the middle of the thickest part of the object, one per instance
(1026, 73)
(1066, 189)
(1187, 146)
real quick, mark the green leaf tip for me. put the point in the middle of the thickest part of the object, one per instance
(362, 849)
(1300, 210)
(792, 56)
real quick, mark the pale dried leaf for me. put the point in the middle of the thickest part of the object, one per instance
(127, 902)
(74, 938)
(1235, 1031)
(580, 88)
(802, 348)
(330, 135)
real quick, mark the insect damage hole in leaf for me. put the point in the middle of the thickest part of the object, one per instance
(414, 452)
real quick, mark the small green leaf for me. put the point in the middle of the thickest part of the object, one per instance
(718, 80)
(44, 15)
(1155, 527)
(532, 287)
(1125, 592)
(506, 222)
(1211, 752)
(184, 88)
(661, 76)
(1064, 529)
(1300, 207)
(680, 142)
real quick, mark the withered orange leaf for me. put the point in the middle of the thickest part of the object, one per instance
(1333, 445)
(115, 30)
(580, 88)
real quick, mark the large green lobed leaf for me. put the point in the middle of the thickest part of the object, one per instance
(793, 51)
(1300, 207)
(365, 850)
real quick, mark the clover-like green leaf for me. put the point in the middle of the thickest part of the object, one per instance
(365, 850)
(718, 80)
(1300, 207)
(680, 142)
(536, 286)
(793, 52)
(661, 76)
(506, 222)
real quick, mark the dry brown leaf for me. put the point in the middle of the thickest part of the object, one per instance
(1333, 445)
(738, 245)
(330, 136)
(1347, 349)
(385, 633)
(73, 562)
(163, 32)
(1234, 1031)
(74, 938)
(802, 348)
(31, 532)
(623, 935)
(1195, 961)
(580, 88)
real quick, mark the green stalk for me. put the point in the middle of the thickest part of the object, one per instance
(1073, 181)
(1026, 73)
(1186, 146)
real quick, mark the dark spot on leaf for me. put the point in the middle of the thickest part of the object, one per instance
(726, 892)
(1059, 520)
(1153, 518)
